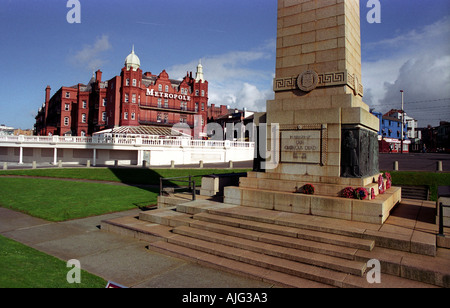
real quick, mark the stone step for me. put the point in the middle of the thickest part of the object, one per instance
(268, 268)
(285, 241)
(131, 226)
(291, 186)
(295, 232)
(293, 254)
(428, 269)
(233, 266)
(301, 270)
(419, 243)
(166, 217)
(374, 211)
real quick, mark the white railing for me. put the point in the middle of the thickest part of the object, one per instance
(124, 141)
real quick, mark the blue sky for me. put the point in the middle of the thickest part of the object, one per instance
(409, 50)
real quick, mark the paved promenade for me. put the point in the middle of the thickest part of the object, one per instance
(407, 162)
(414, 161)
(128, 262)
(113, 257)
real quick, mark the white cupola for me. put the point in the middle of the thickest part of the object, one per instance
(132, 61)
(199, 75)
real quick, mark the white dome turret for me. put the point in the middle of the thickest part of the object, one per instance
(132, 61)
(199, 75)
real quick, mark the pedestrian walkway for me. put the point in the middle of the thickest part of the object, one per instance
(113, 257)
(128, 262)
(265, 244)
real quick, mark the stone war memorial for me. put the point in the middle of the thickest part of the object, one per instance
(325, 138)
(313, 212)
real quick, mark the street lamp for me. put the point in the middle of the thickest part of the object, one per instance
(403, 117)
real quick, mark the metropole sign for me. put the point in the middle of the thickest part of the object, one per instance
(180, 97)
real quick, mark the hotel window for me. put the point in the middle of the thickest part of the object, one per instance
(83, 118)
(134, 82)
(133, 99)
(67, 107)
(159, 103)
(158, 117)
(125, 116)
(160, 87)
(183, 119)
(126, 98)
(83, 133)
(196, 107)
(67, 94)
(139, 99)
(167, 88)
(66, 121)
(84, 105)
(128, 82)
(166, 118)
(104, 102)
(203, 106)
(196, 92)
(166, 103)
(104, 116)
(203, 92)
(133, 116)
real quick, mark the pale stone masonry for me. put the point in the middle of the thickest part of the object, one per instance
(318, 67)
(327, 136)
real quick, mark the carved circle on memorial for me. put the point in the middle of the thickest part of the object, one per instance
(307, 81)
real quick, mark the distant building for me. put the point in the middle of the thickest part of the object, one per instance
(214, 112)
(412, 124)
(224, 115)
(5, 130)
(390, 134)
(132, 99)
(443, 137)
(21, 132)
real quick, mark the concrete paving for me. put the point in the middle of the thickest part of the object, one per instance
(113, 257)
(415, 161)
(406, 162)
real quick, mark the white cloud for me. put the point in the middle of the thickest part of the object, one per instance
(418, 63)
(235, 79)
(90, 57)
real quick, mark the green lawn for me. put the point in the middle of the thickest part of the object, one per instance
(25, 267)
(431, 179)
(57, 200)
(123, 175)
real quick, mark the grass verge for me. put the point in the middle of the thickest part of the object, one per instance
(123, 175)
(24, 267)
(430, 179)
(56, 200)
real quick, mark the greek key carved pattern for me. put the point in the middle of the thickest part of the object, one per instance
(332, 78)
(282, 84)
(324, 80)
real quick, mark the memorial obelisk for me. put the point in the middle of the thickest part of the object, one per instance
(326, 129)
(325, 134)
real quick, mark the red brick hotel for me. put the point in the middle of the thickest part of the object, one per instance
(132, 99)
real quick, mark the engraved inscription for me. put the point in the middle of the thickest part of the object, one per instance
(302, 146)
